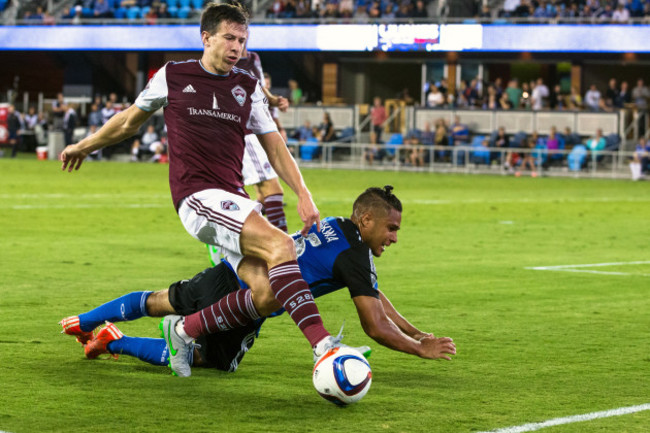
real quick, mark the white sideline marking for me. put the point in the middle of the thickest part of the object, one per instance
(571, 419)
(83, 206)
(572, 268)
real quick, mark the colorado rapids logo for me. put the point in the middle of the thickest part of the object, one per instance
(229, 205)
(240, 95)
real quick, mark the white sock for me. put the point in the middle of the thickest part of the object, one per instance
(180, 330)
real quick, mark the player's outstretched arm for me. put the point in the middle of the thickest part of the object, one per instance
(380, 327)
(287, 169)
(400, 320)
(121, 126)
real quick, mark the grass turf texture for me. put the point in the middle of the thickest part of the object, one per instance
(532, 345)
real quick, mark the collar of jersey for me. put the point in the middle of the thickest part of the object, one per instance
(211, 73)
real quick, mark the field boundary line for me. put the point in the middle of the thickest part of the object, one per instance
(572, 419)
(577, 268)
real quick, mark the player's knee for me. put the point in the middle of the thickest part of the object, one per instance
(158, 305)
(282, 249)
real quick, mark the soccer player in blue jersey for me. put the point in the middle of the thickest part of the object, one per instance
(340, 255)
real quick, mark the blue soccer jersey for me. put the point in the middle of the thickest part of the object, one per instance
(335, 258)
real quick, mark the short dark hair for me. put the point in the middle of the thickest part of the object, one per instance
(374, 198)
(215, 13)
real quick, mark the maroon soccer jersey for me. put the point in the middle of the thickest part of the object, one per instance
(207, 116)
(252, 64)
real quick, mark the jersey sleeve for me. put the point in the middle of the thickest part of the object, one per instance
(356, 269)
(260, 120)
(154, 96)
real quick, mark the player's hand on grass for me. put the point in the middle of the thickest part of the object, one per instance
(420, 335)
(308, 212)
(437, 348)
(72, 157)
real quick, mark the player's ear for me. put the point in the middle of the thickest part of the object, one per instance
(366, 219)
(204, 38)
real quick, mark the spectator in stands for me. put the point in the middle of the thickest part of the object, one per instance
(102, 9)
(150, 136)
(460, 137)
(163, 12)
(528, 159)
(435, 98)
(378, 117)
(275, 10)
(597, 143)
(295, 93)
(441, 138)
(461, 98)
(58, 111)
(330, 11)
(504, 102)
(346, 8)
(502, 143)
(107, 112)
(540, 91)
(592, 98)
(70, 122)
(303, 9)
(30, 122)
(327, 133)
(420, 10)
(555, 101)
(525, 96)
(491, 102)
(611, 93)
(514, 93)
(473, 93)
(640, 95)
(14, 126)
(389, 11)
(95, 116)
(574, 100)
(640, 164)
(624, 97)
(621, 15)
(305, 132)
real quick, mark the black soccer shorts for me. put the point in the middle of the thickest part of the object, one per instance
(222, 350)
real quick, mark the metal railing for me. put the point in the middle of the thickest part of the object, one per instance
(463, 159)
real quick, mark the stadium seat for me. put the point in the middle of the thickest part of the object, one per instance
(346, 136)
(144, 11)
(172, 4)
(479, 153)
(120, 13)
(197, 4)
(613, 140)
(133, 13)
(518, 140)
(310, 150)
(184, 12)
(395, 140)
(577, 158)
(86, 12)
(173, 11)
(185, 3)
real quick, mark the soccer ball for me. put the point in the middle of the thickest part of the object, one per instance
(342, 376)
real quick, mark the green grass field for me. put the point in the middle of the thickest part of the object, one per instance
(532, 344)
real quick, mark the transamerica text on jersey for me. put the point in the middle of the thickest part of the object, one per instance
(218, 114)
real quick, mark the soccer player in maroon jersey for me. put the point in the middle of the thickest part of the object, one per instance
(208, 106)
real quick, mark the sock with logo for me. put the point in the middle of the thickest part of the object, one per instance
(274, 208)
(127, 307)
(151, 350)
(232, 311)
(293, 293)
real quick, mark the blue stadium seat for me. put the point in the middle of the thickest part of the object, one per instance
(133, 12)
(120, 13)
(613, 140)
(394, 140)
(184, 12)
(197, 4)
(577, 157)
(310, 150)
(185, 3)
(172, 3)
(173, 11)
(86, 12)
(479, 154)
(144, 11)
